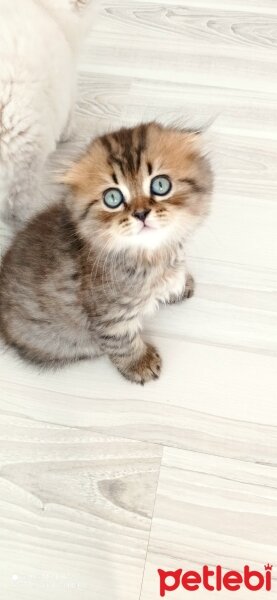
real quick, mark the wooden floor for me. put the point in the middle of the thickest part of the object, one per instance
(103, 482)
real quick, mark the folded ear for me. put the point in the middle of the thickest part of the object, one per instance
(191, 132)
(191, 139)
(74, 177)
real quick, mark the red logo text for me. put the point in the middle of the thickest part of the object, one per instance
(215, 579)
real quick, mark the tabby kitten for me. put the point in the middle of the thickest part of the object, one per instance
(78, 279)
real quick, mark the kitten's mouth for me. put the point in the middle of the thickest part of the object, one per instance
(146, 228)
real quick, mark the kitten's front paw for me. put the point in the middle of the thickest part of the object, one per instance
(187, 293)
(146, 368)
(189, 288)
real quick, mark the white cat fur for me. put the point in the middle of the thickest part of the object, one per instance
(39, 43)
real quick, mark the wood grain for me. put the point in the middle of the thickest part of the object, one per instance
(75, 511)
(222, 512)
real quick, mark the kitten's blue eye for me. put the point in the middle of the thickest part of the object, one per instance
(160, 185)
(113, 197)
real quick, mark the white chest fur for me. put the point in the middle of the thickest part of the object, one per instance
(172, 285)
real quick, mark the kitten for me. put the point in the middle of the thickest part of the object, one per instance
(39, 40)
(78, 280)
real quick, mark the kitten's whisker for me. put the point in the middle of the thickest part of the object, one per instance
(96, 263)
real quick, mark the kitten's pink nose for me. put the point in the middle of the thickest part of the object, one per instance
(141, 214)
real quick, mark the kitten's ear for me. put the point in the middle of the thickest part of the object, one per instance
(73, 178)
(192, 132)
(202, 136)
(192, 138)
(200, 140)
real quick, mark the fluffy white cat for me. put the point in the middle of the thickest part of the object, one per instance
(39, 42)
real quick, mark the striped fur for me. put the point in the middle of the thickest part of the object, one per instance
(79, 278)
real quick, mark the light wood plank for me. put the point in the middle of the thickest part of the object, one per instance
(153, 39)
(212, 511)
(75, 510)
(225, 390)
(232, 111)
(76, 496)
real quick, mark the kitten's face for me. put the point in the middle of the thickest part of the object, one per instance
(141, 188)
